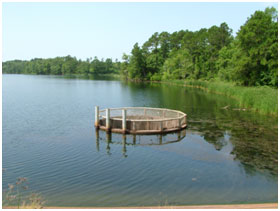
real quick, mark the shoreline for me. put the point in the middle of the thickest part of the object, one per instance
(220, 206)
(244, 95)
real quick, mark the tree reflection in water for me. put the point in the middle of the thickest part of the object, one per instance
(250, 145)
(253, 145)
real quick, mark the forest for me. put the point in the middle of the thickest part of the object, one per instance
(249, 59)
(62, 66)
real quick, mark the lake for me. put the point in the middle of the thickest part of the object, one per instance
(224, 155)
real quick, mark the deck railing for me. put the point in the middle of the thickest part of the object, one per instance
(139, 120)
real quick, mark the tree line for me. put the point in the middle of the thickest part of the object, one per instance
(250, 58)
(62, 66)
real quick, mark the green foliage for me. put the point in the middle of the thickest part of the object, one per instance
(69, 65)
(250, 59)
(124, 66)
(62, 66)
(178, 66)
(179, 55)
(226, 62)
(13, 67)
(262, 99)
(257, 43)
(136, 68)
(156, 77)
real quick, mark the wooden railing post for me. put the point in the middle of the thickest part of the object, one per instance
(160, 125)
(96, 116)
(124, 120)
(133, 126)
(108, 126)
(179, 121)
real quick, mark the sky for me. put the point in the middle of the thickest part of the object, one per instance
(106, 30)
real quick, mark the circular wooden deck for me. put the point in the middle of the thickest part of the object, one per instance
(140, 120)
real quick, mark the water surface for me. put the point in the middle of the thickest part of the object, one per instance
(224, 156)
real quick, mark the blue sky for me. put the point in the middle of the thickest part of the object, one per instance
(106, 30)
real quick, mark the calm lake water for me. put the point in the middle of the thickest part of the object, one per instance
(224, 156)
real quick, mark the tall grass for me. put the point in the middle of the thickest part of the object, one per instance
(262, 99)
(14, 197)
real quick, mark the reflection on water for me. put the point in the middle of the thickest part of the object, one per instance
(136, 140)
(254, 136)
(254, 145)
(90, 77)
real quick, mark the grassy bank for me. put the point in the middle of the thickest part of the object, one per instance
(261, 99)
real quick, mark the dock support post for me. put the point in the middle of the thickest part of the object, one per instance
(108, 119)
(96, 116)
(184, 132)
(179, 135)
(124, 120)
(179, 121)
(97, 139)
(134, 139)
(160, 139)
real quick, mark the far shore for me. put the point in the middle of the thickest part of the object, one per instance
(225, 206)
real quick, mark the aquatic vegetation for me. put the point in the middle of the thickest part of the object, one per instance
(15, 196)
(263, 99)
